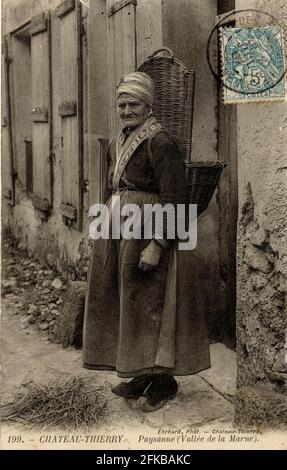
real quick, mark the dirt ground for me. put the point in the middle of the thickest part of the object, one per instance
(204, 400)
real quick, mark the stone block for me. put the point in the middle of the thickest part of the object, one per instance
(256, 235)
(258, 407)
(257, 259)
(70, 321)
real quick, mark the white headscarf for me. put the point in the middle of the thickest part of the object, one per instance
(138, 85)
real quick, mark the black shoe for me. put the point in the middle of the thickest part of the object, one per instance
(161, 389)
(134, 388)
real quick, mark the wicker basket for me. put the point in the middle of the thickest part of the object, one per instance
(174, 97)
(202, 178)
(173, 108)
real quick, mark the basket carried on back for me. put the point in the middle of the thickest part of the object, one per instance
(174, 97)
(202, 178)
(173, 108)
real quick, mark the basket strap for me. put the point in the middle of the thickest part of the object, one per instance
(149, 150)
(149, 142)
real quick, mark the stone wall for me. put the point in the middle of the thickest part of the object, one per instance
(262, 251)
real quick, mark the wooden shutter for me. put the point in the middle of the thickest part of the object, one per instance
(70, 110)
(121, 49)
(41, 113)
(7, 163)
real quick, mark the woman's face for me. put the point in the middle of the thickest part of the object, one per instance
(132, 111)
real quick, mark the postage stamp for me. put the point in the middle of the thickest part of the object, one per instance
(253, 65)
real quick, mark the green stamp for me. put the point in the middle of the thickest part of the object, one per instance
(253, 65)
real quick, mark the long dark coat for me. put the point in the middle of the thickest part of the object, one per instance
(143, 322)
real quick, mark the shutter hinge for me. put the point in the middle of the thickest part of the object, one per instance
(85, 185)
(221, 17)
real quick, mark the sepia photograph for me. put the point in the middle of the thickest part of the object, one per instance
(144, 226)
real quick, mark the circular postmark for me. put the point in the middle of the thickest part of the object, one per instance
(252, 58)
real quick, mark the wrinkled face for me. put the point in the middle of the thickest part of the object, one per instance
(132, 111)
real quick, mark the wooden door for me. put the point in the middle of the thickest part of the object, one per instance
(121, 50)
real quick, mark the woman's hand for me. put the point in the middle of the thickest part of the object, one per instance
(150, 256)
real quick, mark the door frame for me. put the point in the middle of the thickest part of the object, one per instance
(228, 205)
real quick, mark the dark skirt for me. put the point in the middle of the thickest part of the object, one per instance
(144, 322)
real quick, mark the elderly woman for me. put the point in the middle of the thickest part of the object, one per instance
(142, 316)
